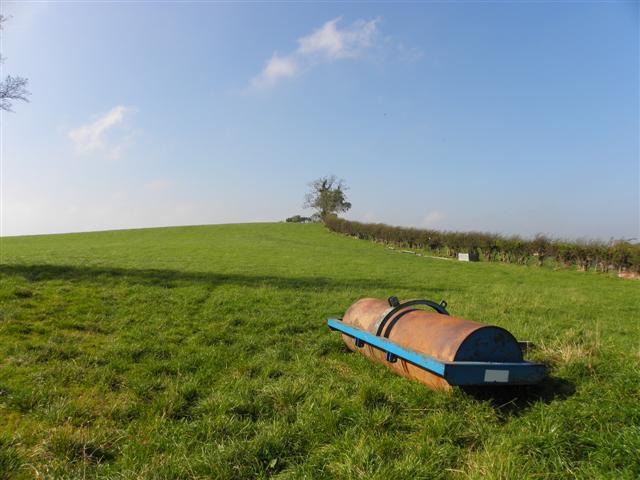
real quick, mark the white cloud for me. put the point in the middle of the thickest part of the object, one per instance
(326, 44)
(433, 218)
(276, 68)
(93, 137)
(333, 44)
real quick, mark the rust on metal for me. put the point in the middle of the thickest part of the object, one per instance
(442, 337)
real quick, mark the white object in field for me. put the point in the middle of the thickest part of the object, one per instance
(496, 376)
(463, 257)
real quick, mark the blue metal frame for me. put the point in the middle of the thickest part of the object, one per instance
(455, 373)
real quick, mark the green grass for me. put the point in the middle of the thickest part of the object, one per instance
(202, 352)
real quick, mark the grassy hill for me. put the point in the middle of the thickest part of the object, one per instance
(202, 352)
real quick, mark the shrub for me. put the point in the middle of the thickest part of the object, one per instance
(298, 219)
(494, 247)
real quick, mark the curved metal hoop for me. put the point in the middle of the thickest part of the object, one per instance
(438, 307)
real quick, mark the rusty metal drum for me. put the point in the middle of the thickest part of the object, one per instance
(432, 333)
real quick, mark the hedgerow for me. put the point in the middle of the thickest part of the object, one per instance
(585, 255)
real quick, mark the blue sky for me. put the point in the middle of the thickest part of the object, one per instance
(506, 117)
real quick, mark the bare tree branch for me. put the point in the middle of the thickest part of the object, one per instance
(12, 88)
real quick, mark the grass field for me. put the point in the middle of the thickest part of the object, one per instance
(202, 352)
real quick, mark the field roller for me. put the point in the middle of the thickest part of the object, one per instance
(433, 347)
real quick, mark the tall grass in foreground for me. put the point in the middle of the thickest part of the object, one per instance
(202, 352)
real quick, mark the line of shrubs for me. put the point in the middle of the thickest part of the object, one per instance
(299, 219)
(585, 255)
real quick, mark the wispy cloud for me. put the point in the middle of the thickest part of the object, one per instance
(433, 218)
(94, 137)
(324, 45)
(277, 67)
(407, 54)
(333, 43)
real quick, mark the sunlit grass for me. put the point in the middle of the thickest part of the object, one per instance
(202, 352)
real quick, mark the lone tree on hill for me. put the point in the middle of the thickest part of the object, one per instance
(327, 197)
(11, 88)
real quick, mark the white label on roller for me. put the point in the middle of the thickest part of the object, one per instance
(496, 375)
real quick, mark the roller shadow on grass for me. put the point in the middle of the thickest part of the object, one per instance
(174, 278)
(515, 400)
